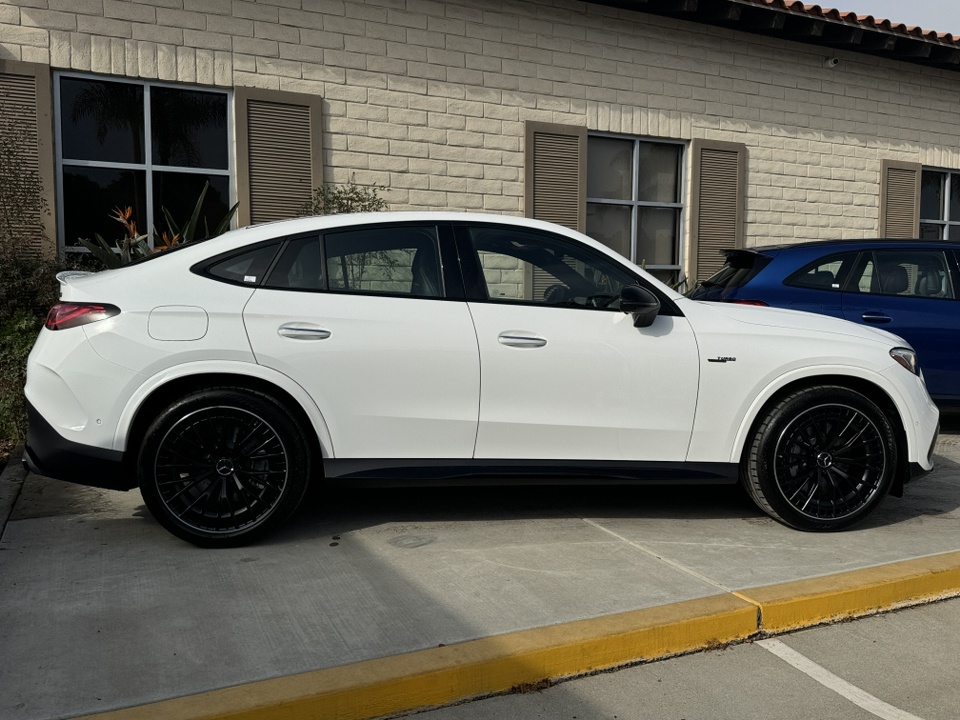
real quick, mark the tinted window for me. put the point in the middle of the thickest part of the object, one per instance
(393, 261)
(299, 267)
(247, 268)
(824, 274)
(913, 273)
(739, 269)
(533, 267)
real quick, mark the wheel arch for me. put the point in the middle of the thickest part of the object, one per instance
(873, 391)
(158, 392)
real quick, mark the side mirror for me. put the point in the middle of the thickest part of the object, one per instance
(641, 303)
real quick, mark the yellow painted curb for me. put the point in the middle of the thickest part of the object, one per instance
(803, 603)
(478, 667)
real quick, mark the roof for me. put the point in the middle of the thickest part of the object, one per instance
(816, 25)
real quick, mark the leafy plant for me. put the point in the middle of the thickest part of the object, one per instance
(17, 336)
(132, 246)
(186, 233)
(333, 199)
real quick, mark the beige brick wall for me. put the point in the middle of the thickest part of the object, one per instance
(429, 98)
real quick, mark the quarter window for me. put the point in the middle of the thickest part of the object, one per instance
(633, 200)
(146, 146)
(940, 205)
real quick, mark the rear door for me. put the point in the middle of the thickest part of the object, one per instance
(366, 321)
(910, 292)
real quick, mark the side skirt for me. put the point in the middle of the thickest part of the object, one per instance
(423, 473)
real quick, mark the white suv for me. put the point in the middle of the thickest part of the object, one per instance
(433, 347)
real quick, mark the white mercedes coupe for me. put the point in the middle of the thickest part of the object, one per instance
(432, 348)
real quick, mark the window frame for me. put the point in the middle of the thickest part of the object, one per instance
(634, 191)
(148, 166)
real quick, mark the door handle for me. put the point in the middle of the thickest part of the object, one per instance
(303, 331)
(876, 317)
(520, 339)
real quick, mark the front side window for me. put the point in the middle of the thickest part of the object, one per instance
(145, 146)
(910, 273)
(523, 266)
(634, 200)
(939, 205)
(390, 261)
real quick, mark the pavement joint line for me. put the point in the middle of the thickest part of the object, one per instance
(504, 663)
(673, 564)
(858, 696)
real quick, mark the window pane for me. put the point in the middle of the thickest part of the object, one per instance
(954, 197)
(657, 235)
(179, 192)
(658, 171)
(826, 274)
(101, 120)
(91, 194)
(247, 268)
(931, 195)
(609, 164)
(921, 273)
(396, 260)
(610, 225)
(953, 232)
(929, 231)
(189, 128)
(535, 267)
(299, 267)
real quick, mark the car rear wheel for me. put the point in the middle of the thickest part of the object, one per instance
(223, 467)
(821, 459)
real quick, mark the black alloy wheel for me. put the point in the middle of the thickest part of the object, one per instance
(821, 458)
(223, 467)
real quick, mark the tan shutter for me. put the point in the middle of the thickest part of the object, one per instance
(25, 122)
(279, 158)
(899, 199)
(555, 169)
(717, 203)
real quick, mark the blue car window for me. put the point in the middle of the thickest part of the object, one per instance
(827, 273)
(907, 273)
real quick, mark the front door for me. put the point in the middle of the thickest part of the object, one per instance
(564, 374)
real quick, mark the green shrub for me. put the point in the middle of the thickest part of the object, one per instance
(17, 336)
(349, 198)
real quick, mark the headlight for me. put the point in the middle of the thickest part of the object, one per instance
(907, 358)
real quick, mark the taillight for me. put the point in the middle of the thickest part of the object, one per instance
(759, 303)
(65, 315)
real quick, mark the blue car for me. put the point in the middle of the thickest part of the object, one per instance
(908, 287)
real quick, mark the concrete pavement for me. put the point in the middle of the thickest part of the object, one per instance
(101, 609)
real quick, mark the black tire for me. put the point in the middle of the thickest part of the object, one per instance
(223, 467)
(821, 459)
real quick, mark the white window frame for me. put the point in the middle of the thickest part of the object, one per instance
(635, 188)
(148, 166)
(945, 222)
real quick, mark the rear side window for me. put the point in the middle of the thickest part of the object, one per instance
(390, 261)
(740, 268)
(829, 273)
(911, 273)
(299, 266)
(247, 268)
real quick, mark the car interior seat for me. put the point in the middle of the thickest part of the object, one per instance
(894, 280)
(426, 273)
(931, 280)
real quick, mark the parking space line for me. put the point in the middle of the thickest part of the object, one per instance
(857, 696)
(651, 553)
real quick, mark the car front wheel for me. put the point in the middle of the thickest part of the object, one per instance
(822, 458)
(223, 467)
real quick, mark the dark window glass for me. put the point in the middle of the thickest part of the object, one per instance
(247, 268)
(954, 232)
(825, 274)
(929, 231)
(102, 120)
(912, 273)
(739, 269)
(525, 266)
(189, 128)
(90, 196)
(178, 194)
(394, 261)
(657, 230)
(658, 173)
(610, 224)
(609, 163)
(299, 267)
(931, 195)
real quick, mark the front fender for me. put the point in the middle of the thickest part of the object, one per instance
(223, 367)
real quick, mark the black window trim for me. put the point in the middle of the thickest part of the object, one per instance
(475, 285)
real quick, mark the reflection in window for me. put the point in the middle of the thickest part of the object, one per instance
(910, 273)
(109, 160)
(939, 205)
(393, 261)
(633, 200)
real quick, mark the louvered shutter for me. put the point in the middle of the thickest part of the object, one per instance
(26, 128)
(279, 158)
(717, 204)
(899, 199)
(555, 163)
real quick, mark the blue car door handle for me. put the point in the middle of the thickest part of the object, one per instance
(876, 317)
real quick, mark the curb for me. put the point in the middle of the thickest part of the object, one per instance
(11, 480)
(536, 657)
